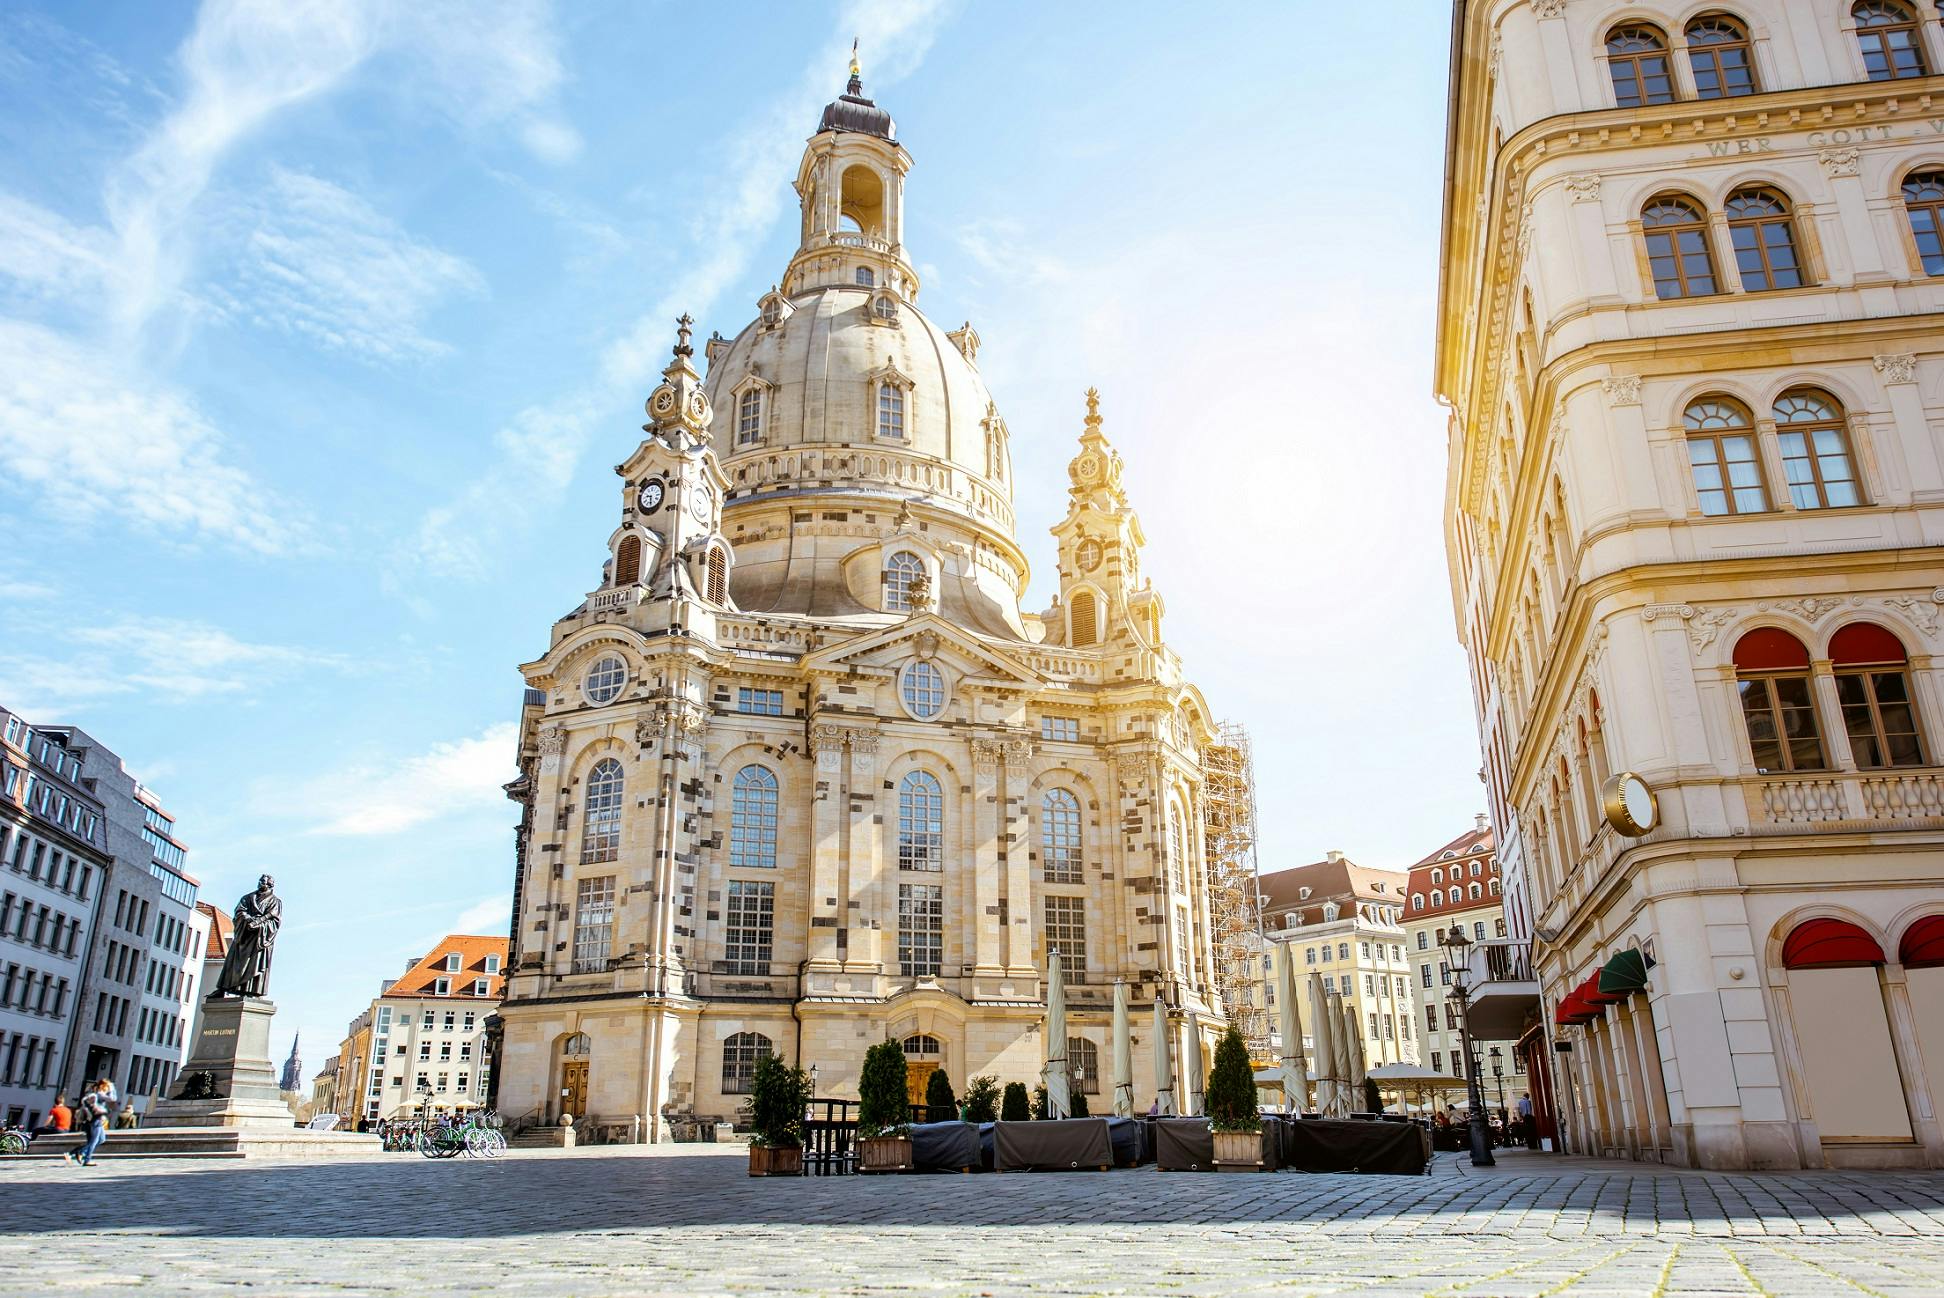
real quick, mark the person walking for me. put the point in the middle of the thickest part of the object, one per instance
(1526, 1125)
(97, 1103)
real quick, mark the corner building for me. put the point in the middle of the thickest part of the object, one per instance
(801, 774)
(1689, 336)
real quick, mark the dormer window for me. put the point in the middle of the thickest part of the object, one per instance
(452, 962)
(775, 309)
(1330, 910)
(900, 571)
(866, 278)
(492, 964)
(890, 410)
(885, 308)
(1302, 894)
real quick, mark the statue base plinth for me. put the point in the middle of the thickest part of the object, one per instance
(228, 1081)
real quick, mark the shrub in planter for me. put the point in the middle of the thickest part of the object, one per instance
(884, 1110)
(1039, 1104)
(778, 1096)
(1015, 1107)
(941, 1104)
(1373, 1097)
(982, 1099)
(1231, 1102)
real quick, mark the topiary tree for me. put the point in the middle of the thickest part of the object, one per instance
(778, 1095)
(884, 1103)
(1039, 1104)
(938, 1095)
(1079, 1099)
(1373, 1098)
(1231, 1095)
(982, 1099)
(1015, 1107)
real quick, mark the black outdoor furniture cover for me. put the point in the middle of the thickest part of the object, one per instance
(1070, 1144)
(1183, 1144)
(944, 1146)
(1130, 1142)
(1338, 1146)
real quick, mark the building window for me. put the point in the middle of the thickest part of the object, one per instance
(1637, 61)
(604, 679)
(1060, 837)
(492, 967)
(1084, 613)
(1417, 901)
(886, 308)
(1923, 195)
(923, 690)
(1424, 974)
(627, 561)
(1475, 892)
(762, 703)
(601, 822)
(1083, 1065)
(1060, 729)
(890, 410)
(1498, 925)
(1763, 236)
(921, 929)
(1888, 35)
(772, 312)
(900, 571)
(1772, 676)
(1677, 248)
(1873, 689)
(752, 819)
(740, 1055)
(921, 822)
(1721, 458)
(1719, 54)
(593, 924)
(1066, 932)
(1424, 940)
(718, 577)
(442, 986)
(750, 925)
(452, 962)
(1815, 451)
(865, 277)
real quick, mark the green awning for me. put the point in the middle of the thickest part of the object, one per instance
(1624, 975)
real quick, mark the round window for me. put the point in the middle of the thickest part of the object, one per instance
(605, 679)
(923, 690)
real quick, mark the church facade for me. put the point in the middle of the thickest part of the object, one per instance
(801, 774)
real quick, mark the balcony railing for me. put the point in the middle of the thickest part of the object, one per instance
(852, 239)
(618, 597)
(1838, 797)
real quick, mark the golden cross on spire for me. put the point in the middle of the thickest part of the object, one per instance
(1093, 407)
(854, 70)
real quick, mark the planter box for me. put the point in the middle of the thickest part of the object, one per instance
(884, 1154)
(775, 1161)
(1240, 1151)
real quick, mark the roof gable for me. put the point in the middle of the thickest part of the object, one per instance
(928, 635)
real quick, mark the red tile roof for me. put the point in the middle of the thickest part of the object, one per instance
(1454, 861)
(422, 977)
(1340, 880)
(220, 930)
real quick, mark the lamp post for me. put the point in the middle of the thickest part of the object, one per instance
(1456, 944)
(1498, 1075)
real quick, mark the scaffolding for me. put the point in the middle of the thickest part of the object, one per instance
(1234, 901)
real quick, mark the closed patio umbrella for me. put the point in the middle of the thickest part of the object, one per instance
(1197, 1081)
(1053, 1075)
(1295, 1075)
(1344, 1019)
(1123, 1054)
(1164, 1085)
(1353, 1059)
(1325, 1032)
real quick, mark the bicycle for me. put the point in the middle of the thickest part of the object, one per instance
(14, 1140)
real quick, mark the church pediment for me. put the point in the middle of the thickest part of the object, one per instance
(931, 636)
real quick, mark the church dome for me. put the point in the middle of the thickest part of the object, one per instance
(851, 111)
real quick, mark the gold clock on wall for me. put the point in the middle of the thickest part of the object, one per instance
(1629, 805)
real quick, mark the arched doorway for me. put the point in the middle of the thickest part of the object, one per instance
(923, 1057)
(571, 1094)
(1849, 1064)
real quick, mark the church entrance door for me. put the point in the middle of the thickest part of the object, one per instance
(573, 1087)
(917, 1077)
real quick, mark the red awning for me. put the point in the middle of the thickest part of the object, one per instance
(1829, 944)
(1923, 943)
(1589, 991)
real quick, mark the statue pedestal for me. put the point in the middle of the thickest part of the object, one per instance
(228, 1081)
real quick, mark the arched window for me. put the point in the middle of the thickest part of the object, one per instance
(1494, 890)
(1473, 891)
(749, 416)
(718, 583)
(604, 679)
(923, 690)
(865, 277)
(1816, 461)
(1836, 1003)
(1178, 856)
(740, 1055)
(1060, 837)
(1923, 195)
(1437, 897)
(886, 307)
(1718, 53)
(1763, 236)
(900, 570)
(1677, 248)
(1437, 874)
(627, 561)
(1085, 617)
(1778, 701)
(1417, 901)
(601, 817)
(1477, 868)
(752, 819)
(772, 312)
(890, 410)
(922, 1046)
(1727, 472)
(1083, 1065)
(1888, 35)
(1637, 60)
(921, 822)
(1873, 689)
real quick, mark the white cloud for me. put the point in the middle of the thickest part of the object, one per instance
(551, 140)
(171, 660)
(374, 798)
(321, 263)
(91, 440)
(46, 254)
(489, 916)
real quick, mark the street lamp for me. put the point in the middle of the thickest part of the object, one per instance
(1498, 1075)
(1456, 944)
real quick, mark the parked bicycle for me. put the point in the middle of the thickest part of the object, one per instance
(14, 1140)
(476, 1136)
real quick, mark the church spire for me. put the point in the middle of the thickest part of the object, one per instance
(679, 408)
(1096, 470)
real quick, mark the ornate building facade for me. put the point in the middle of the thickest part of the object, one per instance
(801, 774)
(1695, 520)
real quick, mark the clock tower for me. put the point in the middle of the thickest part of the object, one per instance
(1102, 596)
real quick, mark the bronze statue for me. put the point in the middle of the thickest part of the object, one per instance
(246, 965)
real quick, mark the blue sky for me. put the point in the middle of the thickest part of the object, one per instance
(322, 323)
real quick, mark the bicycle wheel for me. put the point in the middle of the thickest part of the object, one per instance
(12, 1142)
(426, 1145)
(495, 1144)
(476, 1144)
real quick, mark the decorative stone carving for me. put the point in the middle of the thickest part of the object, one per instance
(1896, 367)
(1018, 752)
(1838, 162)
(1921, 609)
(986, 755)
(1809, 609)
(647, 731)
(552, 741)
(1703, 624)
(1622, 389)
(826, 739)
(1584, 187)
(1497, 56)
(864, 742)
(691, 720)
(1548, 8)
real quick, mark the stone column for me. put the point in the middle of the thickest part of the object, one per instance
(1009, 831)
(826, 846)
(872, 895)
(1853, 213)
(1914, 436)
(992, 950)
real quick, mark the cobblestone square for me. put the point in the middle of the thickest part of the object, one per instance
(688, 1221)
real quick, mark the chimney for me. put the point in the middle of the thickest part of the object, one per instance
(1334, 855)
(1479, 822)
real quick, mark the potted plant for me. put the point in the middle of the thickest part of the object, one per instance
(982, 1099)
(1015, 1107)
(883, 1111)
(1232, 1113)
(778, 1096)
(1079, 1100)
(940, 1104)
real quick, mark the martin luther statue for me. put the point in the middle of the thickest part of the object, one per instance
(246, 966)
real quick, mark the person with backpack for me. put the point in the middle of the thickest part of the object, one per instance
(97, 1104)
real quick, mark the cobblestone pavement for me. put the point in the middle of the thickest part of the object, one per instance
(687, 1221)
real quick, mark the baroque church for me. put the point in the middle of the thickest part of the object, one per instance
(801, 774)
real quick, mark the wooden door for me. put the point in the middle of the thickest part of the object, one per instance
(917, 1077)
(573, 1087)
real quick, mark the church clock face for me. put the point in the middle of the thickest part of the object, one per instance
(664, 401)
(700, 505)
(1088, 555)
(651, 496)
